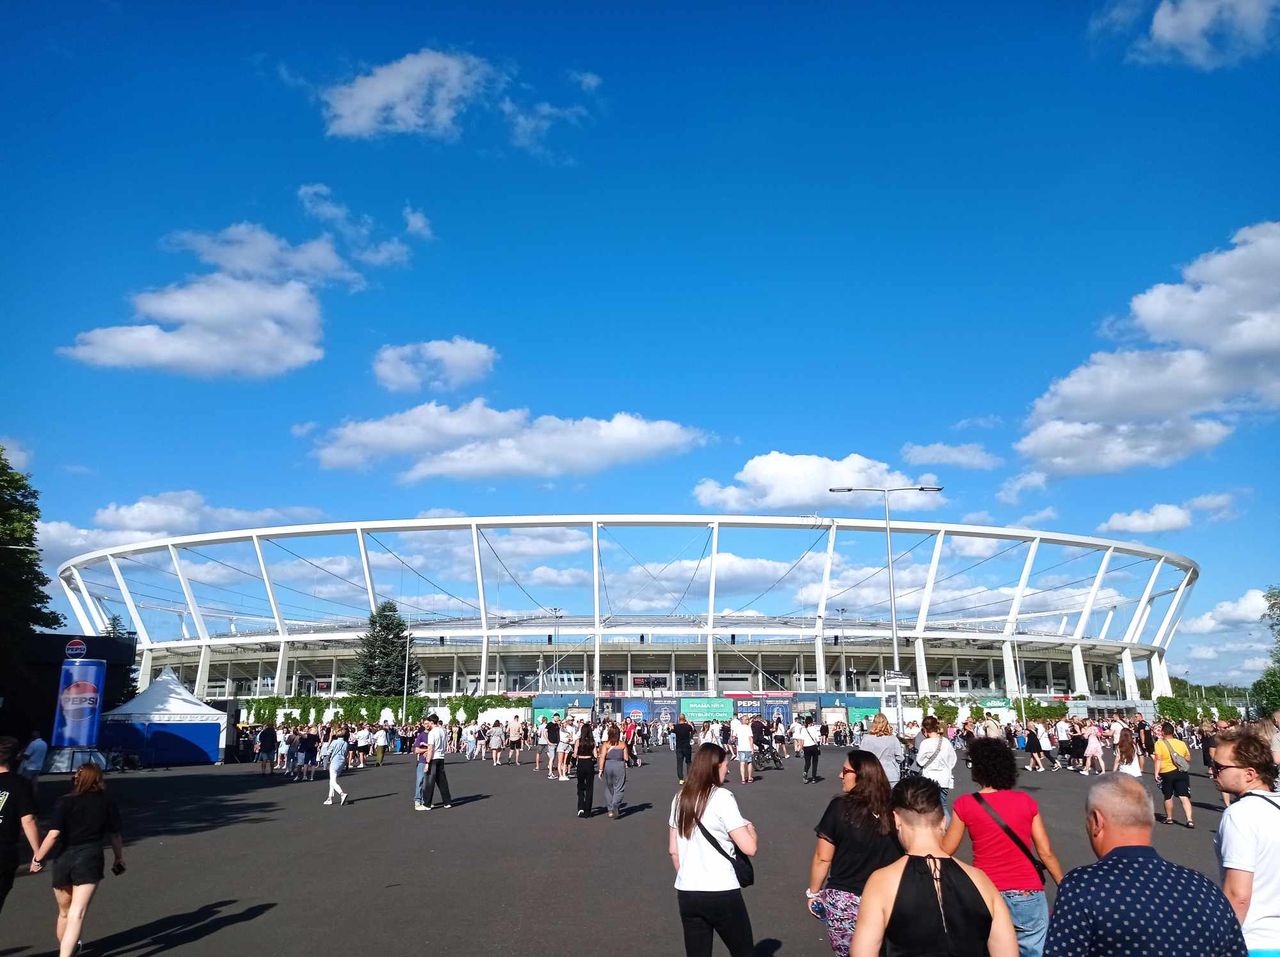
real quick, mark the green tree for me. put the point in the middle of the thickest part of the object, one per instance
(379, 668)
(1272, 617)
(115, 629)
(1266, 691)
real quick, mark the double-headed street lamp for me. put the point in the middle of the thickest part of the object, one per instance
(893, 602)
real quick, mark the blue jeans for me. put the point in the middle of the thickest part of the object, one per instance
(419, 772)
(1030, 913)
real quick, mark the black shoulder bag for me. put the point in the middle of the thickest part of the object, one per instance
(1035, 861)
(743, 869)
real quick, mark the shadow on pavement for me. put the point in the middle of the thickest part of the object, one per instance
(469, 799)
(170, 932)
(634, 809)
(767, 947)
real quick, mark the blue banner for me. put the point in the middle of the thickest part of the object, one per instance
(849, 701)
(80, 690)
(775, 708)
(562, 702)
(637, 709)
(665, 710)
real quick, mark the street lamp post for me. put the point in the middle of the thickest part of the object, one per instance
(893, 600)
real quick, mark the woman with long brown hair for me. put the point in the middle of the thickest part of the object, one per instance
(1129, 758)
(706, 831)
(855, 839)
(81, 819)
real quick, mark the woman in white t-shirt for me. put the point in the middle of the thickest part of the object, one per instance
(1129, 757)
(707, 888)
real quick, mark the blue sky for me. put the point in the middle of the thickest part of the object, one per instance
(363, 262)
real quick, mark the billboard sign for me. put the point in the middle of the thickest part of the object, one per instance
(637, 709)
(665, 710)
(76, 648)
(80, 688)
(698, 710)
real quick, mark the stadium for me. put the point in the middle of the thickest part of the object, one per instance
(648, 604)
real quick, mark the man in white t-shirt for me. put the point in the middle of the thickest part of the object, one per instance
(1117, 726)
(1248, 838)
(740, 734)
(797, 731)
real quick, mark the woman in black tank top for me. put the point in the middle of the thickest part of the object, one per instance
(928, 904)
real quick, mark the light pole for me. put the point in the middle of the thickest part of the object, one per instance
(893, 601)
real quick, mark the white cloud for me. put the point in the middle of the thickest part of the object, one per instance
(210, 326)
(438, 364)
(551, 446)
(1213, 502)
(19, 455)
(1046, 514)
(587, 81)
(1245, 610)
(422, 93)
(1212, 353)
(441, 513)
(249, 250)
(980, 422)
(1011, 489)
(425, 428)
(968, 456)
(176, 513)
(416, 223)
(1158, 518)
(977, 518)
(530, 125)
(59, 541)
(545, 577)
(318, 203)
(1203, 653)
(302, 429)
(390, 252)
(780, 480)
(1207, 34)
(970, 547)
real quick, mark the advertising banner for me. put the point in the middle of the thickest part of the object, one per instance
(75, 721)
(805, 707)
(774, 709)
(637, 709)
(833, 716)
(747, 705)
(562, 702)
(665, 710)
(579, 714)
(707, 709)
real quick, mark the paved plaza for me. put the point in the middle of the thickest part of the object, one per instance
(222, 861)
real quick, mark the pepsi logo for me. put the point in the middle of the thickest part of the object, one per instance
(76, 648)
(79, 700)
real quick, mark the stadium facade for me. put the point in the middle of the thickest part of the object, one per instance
(1076, 634)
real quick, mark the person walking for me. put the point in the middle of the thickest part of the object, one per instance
(1173, 772)
(1132, 900)
(496, 737)
(437, 743)
(855, 838)
(515, 739)
(33, 757)
(1128, 758)
(1034, 747)
(17, 815)
(1092, 748)
(266, 745)
(936, 759)
(584, 751)
(1248, 839)
(82, 820)
(338, 749)
(884, 744)
(613, 770)
(682, 735)
(810, 739)
(1004, 824)
(421, 743)
(705, 831)
(740, 731)
(928, 903)
(379, 745)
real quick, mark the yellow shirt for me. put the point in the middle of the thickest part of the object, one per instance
(1164, 758)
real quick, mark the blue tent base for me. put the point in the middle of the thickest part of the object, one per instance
(165, 743)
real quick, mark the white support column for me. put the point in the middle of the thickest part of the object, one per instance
(922, 668)
(1048, 675)
(1012, 686)
(257, 682)
(922, 617)
(1185, 587)
(1159, 676)
(202, 671)
(629, 681)
(138, 626)
(76, 609)
(484, 611)
(368, 573)
(595, 598)
(182, 624)
(760, 672)
(144, 670)
(271, 590)
(542, 671)
(1062, 625)
(1134, 631)
(1083, 621)
(991, 672)
(279, 687)
(192, 607)
(1106, 623)
(712, 683)
(95, 615)
(819, 636)
(1129, 675)
(844, 673)
(333, 677)
(453, 683)
(672, 686)
(800, 669)
(1079, 677)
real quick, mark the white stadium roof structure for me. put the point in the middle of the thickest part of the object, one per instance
(688, 603)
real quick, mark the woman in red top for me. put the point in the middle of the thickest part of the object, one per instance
(995, 853)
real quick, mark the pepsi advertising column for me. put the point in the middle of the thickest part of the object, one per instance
(75, 721)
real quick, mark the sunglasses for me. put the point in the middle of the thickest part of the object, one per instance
(844, 771)
(1216, 768)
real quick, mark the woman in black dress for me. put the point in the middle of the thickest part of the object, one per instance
(928, 904)
(81, 821)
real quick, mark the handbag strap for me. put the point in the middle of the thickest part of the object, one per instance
(933, 757)
(1018, 842)
(1261, 795)
(714, 843)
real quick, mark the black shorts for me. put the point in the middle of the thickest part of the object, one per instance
(78, 864)
(1175, 784)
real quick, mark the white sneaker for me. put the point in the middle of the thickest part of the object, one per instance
(419, 806)
(1028, 768)
(328, 800)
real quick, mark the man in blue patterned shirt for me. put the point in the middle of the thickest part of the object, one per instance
(1133, 901)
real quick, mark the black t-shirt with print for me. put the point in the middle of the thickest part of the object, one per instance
(16, 802)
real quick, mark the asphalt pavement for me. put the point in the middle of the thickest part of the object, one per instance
(222, 860)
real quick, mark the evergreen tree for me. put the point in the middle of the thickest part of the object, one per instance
(115, 629)
(379, 668)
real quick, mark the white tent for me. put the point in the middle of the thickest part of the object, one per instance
(166, 724)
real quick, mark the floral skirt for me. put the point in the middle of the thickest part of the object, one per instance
(842, 917)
